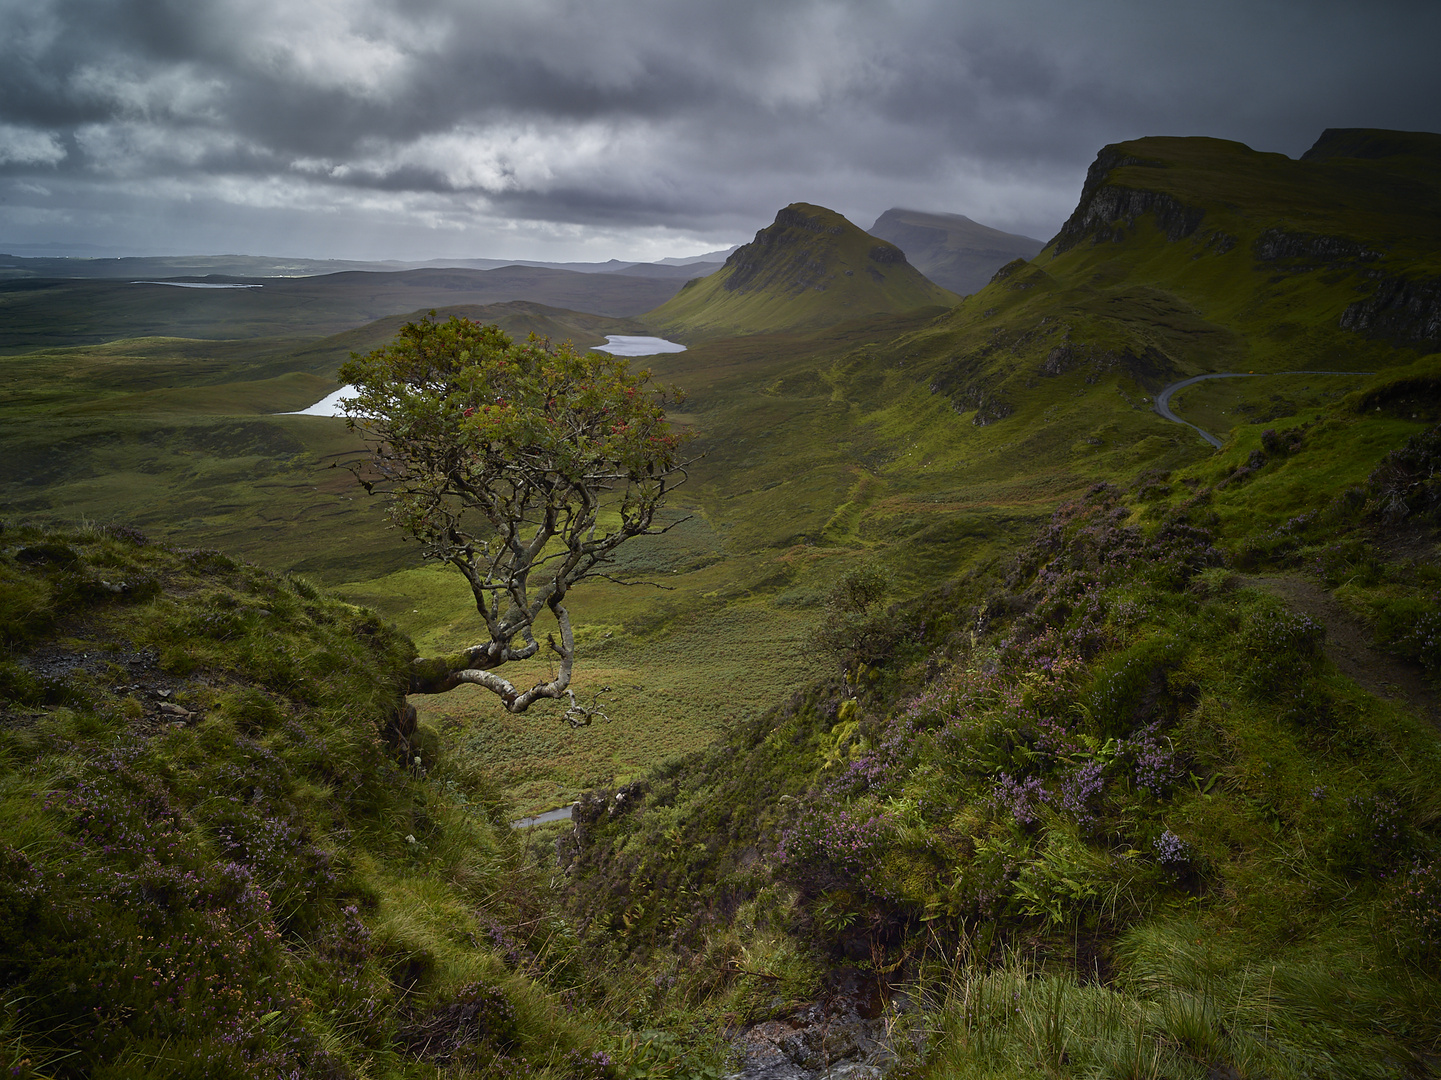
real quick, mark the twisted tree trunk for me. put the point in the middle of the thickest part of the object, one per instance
(437, 675)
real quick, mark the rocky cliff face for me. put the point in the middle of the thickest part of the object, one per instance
(1107, 212)
(1318, 250)
(1408, 312)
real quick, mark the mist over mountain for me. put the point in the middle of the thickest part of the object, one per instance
(952, 250)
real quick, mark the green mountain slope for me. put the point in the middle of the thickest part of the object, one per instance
(1133, 778)
(811, 268)
(1138, 800)
(1190, 256)
(1143, 791)
(952, 250)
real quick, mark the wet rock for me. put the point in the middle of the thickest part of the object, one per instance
(841, 1036)
(628, 798)
(589, 808)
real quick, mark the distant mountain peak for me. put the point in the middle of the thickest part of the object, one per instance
(956, 252)
(1374, 144)
(810, 267)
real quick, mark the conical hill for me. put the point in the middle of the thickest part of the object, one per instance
(811, 268)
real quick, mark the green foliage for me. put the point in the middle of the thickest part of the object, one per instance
(1103, 788)
(512, 464)
(1116, 700)
(1407, 483)
(459, 389)
(1126, 734)
(219, 868)
(855, 629)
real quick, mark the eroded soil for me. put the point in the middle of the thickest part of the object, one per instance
(1349, 645)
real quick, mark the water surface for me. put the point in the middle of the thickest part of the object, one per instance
(326, 406)
(627, 345)
(200, 284)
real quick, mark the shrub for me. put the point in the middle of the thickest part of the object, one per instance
(1414, 907)
(1411, 628)
(1407, 483)
(1281, 647)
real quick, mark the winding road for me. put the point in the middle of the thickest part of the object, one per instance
(1163, 399)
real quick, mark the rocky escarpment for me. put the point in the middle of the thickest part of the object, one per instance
(1148, 366)
(1107, 212)
(1311, 249)
(1408, 312)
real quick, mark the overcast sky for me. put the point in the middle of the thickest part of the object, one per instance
(637, 129)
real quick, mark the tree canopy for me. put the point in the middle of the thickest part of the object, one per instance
(523, 465)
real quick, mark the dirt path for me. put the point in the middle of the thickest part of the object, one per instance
(1348, 646)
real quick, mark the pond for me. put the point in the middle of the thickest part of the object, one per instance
(626, 345)
(326, 406)
(200, 284)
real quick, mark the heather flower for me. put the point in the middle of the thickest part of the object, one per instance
(1171, 851)
(1080, 788)
(1022, 799)
(1154, 767)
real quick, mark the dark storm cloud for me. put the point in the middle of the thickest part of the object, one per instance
(451, 126)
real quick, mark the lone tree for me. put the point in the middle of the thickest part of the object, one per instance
(524, 466)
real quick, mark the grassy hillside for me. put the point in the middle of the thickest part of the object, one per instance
(227, 854)
(811, 268)
(1149, 798)
(1142, 791)
(177, 436)
(952, 250)
(926, 443)
(1188, 256)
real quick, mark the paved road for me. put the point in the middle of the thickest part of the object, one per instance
(559, 814)
(1163, 399)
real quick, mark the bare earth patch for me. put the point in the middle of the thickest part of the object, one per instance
(1348, 646)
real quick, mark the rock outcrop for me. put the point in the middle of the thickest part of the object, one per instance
(1107, 212)
(1312, 248)
(1407, 312)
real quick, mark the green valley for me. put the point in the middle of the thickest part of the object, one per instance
(985, 723)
